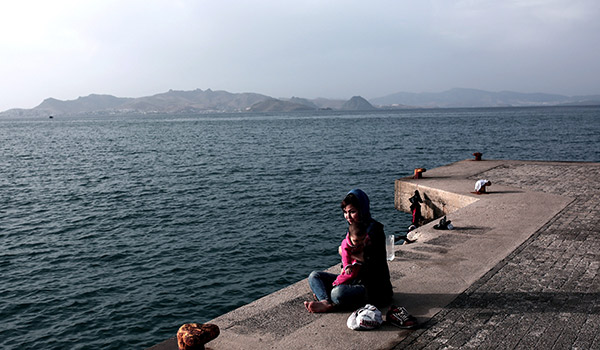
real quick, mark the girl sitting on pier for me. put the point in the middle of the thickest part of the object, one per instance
(372, 283)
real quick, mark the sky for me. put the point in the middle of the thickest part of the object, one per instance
(65, 49)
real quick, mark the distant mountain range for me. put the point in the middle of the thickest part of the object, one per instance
(209, 101)
(457, 98)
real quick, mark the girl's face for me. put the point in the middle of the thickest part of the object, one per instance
(351, 214)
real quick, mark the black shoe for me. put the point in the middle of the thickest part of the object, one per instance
(399, 317)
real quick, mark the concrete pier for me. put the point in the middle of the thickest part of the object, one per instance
(520, 270)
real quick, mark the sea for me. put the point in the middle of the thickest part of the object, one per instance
(116, 230)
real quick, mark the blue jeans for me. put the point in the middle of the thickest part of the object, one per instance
(343, 295)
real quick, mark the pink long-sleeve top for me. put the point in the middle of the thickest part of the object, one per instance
(347, 250)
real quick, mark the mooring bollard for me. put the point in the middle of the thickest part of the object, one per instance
(477, 155)
(419, 173)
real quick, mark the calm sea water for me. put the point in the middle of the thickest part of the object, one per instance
(114, 231)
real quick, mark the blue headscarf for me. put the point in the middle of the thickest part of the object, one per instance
(363, 202)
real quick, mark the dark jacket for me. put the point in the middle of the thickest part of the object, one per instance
(375, 275)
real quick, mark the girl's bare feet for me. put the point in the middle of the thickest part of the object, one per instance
(318, 306)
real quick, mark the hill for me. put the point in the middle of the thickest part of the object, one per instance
(178, 102)
(357, 103)
(171, 102)
(459, 97)
(209, 101)
(275, 105)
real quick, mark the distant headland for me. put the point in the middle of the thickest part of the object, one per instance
(208, 101)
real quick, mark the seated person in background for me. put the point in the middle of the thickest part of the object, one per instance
(480, 186)
(351, 250)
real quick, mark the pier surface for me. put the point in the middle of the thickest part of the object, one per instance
(520, 269)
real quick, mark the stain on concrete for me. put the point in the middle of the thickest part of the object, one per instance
(409, 255)
(431, 249)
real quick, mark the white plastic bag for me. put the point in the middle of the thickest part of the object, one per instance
(365, 318)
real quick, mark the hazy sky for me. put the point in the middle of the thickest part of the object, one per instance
(319, 48)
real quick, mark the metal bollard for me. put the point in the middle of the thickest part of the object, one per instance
(418, 174)
(477, 155)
